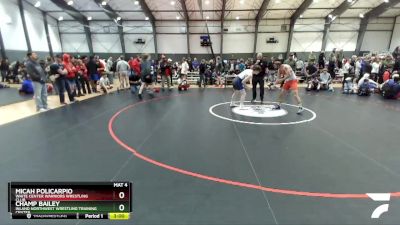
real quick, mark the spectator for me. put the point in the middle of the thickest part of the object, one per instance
(15, 71)
(184, 69)
(311, 71)
(104, 83)
(202, 72)
(71, 74)
(27, 87)
(391, 88)
(386, 75)
(311, 57)
(299, 65)
(4, 69)
(164, 68)
(93, 73)
(147, 81)
(321, 60)
(290, 61)
(4, 86)
(195, 64)
(58, 70)
(357, 70)
(325, 80)
(83, 78)
(375, 69)
(348, 87)
(122, 70)
(339, 58)
(346, 70)
(110, 73)
(39, 78)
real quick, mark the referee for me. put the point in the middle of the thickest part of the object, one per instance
(259, 78)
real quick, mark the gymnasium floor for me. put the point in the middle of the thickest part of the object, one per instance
(191, 167)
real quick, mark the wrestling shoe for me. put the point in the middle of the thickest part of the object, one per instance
(276, 107)
(301, 109)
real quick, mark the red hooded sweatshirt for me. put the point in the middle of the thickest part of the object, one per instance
(136, 66)
(83, 70)
(69, 66)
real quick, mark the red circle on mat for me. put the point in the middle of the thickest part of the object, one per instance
(221, 180)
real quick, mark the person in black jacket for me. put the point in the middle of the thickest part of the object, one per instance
(321, 60)
(93, 74)
(202, 72)
(5, 69)
(38, 76)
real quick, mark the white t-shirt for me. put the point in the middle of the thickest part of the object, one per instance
(375, 67)
(246, 73)
(325, 77)
(122, 66)
(104, 81)
(185, 68)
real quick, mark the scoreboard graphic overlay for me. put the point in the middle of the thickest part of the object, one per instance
(70, 200)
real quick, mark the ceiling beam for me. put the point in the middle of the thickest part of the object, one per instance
(113, 16)
(222, 26)
(260, 15)
(152, 20)
(299, 11)
(374, 13)
(186, 14)
(74, 13)
(328, 20)
(22, 14)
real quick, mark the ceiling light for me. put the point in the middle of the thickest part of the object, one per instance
(178, 17)
(241, 2)
(104, 3)
(207, 17)
(89, 18)
(37, 4)
(207, 2)
(237, 18)
(316, 1)
(330, 16)
(301, 16)
(349, 1)
(60, 18)
(172, 2)
(136, 2)
(147, 18)
(70, 2)
(118, 18)
(361, 15)
(386, 1)
(277, 1)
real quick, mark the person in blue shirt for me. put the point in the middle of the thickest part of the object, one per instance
(27, 87)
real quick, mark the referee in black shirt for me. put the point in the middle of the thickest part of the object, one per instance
(259, 78)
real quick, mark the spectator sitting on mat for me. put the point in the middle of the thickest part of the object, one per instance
(27, 87)
(366, 87)
(386, 75)
(4, 86)
(313, 84)
(104, 83)
(311, 70)
(391, 88)
(348, 87)
(325, 80)
(373, 85)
